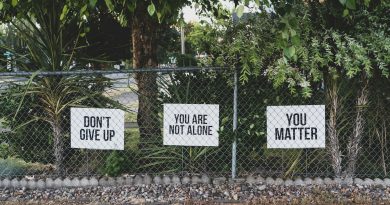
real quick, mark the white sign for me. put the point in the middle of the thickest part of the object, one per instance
(96, 128)
(191, 124)
(300, 126)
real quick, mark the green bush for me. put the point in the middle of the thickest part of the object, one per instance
(13, 167)
(120, 162)
(5, 150)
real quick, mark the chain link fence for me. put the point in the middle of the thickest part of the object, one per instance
(35, 125)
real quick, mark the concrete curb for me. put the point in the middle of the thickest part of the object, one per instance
(138, 180)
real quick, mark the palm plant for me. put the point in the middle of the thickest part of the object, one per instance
(51, 43)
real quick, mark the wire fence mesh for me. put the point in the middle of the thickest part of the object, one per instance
(36, 127)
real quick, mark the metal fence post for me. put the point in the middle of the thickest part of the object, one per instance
(234, 145)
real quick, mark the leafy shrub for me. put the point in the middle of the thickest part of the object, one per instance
(114, 164)
(12, 167)
(5, 150)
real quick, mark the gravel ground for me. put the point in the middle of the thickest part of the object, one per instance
(201, 194)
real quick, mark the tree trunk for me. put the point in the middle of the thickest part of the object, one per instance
(144, 38)
(58, 146)
(334, 146)
(354, 140)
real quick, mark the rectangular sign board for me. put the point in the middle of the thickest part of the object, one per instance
(191, 124)
(301, 126)
(97, 128)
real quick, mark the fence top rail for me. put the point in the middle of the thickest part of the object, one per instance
(97, 72)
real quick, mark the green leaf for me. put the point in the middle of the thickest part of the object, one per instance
(293, 22)
(295, 40)
(284, 35)
(265, 2)
(131, 7)
(345, 12)
(295, 58)
(293, 32)
(351, 4)
(343, 2)
(367, 3)
(109, 4)
(289, 52)
(1, 5)
(83, 9)
(92, 3)
(64, 12)
(14, 2)
(122, 19)
(29, 82)
(159, 17)
(151, 9)
(240, 10)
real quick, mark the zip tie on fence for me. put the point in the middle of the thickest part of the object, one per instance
(97, 72)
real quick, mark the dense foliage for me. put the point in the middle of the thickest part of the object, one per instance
(316, 51)
(306, 52)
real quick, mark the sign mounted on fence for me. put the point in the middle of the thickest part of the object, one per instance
(191, 124)
(97, 128)
(301, 126)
